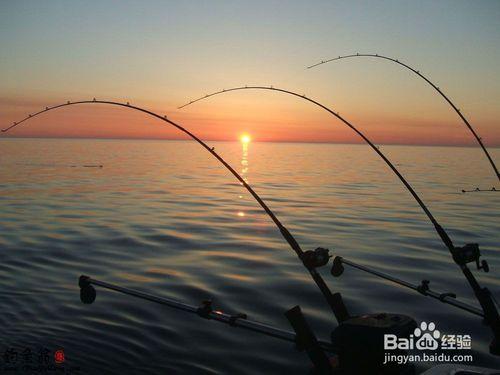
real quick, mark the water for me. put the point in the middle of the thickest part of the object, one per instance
(165, 217)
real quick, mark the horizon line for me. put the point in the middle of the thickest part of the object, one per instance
(236, 141)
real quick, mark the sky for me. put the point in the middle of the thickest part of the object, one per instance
(161, 54)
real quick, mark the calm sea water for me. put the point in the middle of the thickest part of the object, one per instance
(165, 217)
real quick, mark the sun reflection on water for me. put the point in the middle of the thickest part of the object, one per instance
(245, 141)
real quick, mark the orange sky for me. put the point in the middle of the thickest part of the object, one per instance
(168, 54)
(287, 120)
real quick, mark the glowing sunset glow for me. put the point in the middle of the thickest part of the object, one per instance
(245, 139)
(386, 101)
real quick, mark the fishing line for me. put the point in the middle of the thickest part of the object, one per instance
(334, 300)
(461, 255)
(459, 113)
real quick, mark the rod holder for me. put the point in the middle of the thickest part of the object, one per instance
(306, 340)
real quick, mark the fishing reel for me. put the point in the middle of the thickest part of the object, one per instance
(468, 254)
(87, 291)
(318, 257)
(337, 267)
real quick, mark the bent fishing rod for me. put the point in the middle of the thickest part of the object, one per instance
(461, 255)
(459, 113)
(311, 259)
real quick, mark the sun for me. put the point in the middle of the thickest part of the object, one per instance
(245, 139)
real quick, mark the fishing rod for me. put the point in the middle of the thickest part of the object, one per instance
(461, 255)
(303, 337)
(311, 259)
(345, 337)
(423, 288)
(459, 113)
(478, 189)
(205, 310)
